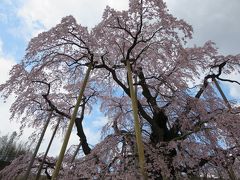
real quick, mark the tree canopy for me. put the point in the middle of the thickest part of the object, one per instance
(188, 129)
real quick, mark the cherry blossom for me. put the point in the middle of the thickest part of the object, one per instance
(188, 130)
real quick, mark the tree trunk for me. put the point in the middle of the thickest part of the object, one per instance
(81, 134)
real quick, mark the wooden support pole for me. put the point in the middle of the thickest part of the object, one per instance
(230, 170)
(140, 147)
(70, 126)
(45, 155)
(76, 152)
(222, 94)
(26, 176)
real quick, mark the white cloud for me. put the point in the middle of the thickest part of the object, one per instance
(234, 88)
(215, 20)
(49, 13)
(211, 20)
(6, 125)
(120, 5)
(1, 46)
(6, 64)
(100, 122)
(92, 135)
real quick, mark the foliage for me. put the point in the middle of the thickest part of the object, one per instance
(10, 148)
(187, 130)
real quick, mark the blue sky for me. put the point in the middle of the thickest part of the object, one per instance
(13, 43)
(20, 20)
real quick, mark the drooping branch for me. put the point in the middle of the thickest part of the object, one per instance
(78, 121)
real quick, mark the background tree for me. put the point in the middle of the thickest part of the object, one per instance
(187, 128)
(10, 149)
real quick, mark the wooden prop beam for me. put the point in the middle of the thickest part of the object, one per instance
(70, 126)
(26, 176)
(140, 147)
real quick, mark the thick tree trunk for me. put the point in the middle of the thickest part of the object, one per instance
(81, 134)
(160, 131)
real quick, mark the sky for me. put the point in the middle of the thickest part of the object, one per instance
(20, 20)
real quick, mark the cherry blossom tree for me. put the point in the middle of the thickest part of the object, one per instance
(187, 128)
